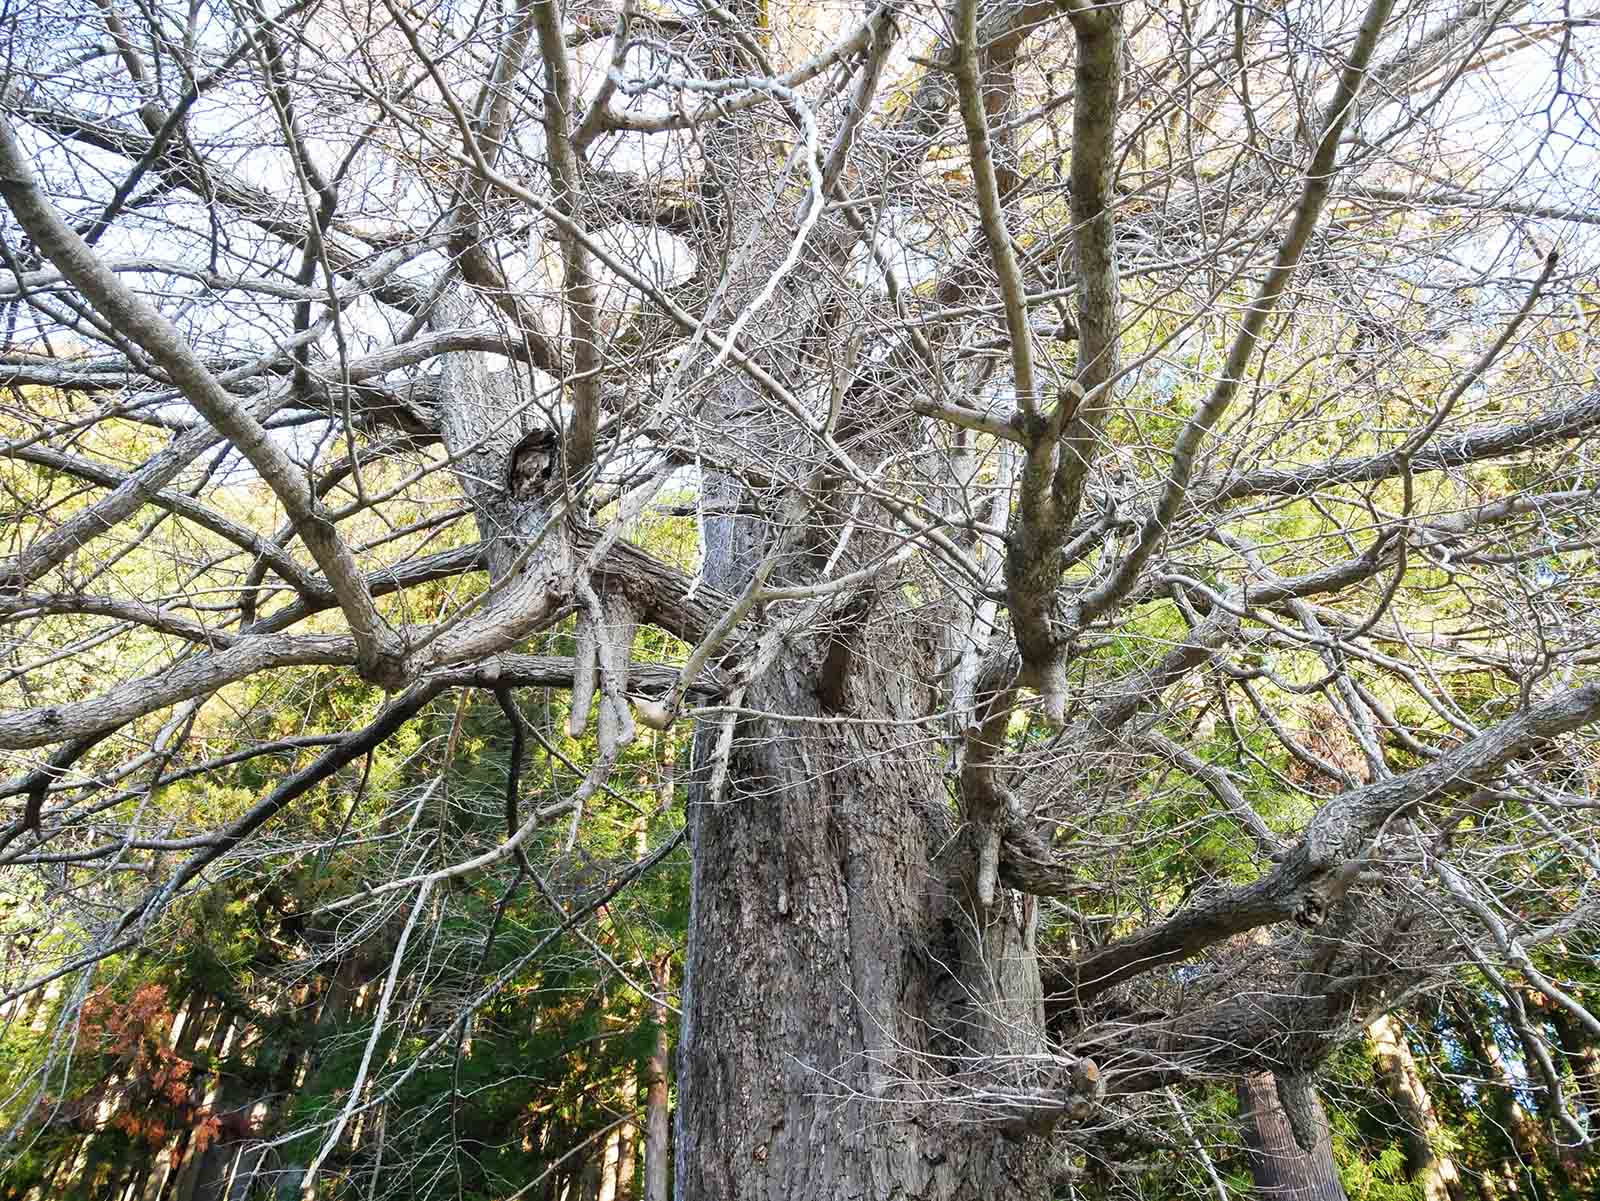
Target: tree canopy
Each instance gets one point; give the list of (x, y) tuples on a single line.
[(1016, 578)]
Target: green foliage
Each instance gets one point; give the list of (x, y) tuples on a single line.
[(290, 989)]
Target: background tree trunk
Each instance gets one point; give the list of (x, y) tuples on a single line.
[(627, 1163), (657, 1120), (1583, 1057), (610, 1157), (1435, 1173), (1524, 1138)]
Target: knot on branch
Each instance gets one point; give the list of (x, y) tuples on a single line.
[(533, 464), (388, 670), (1311, 911), (1029, 864)]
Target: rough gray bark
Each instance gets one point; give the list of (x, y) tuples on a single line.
[(819, 979)]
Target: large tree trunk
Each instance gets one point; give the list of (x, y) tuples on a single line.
[(1281, 1169), (814, 977), (834, 966), (839, 977)]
